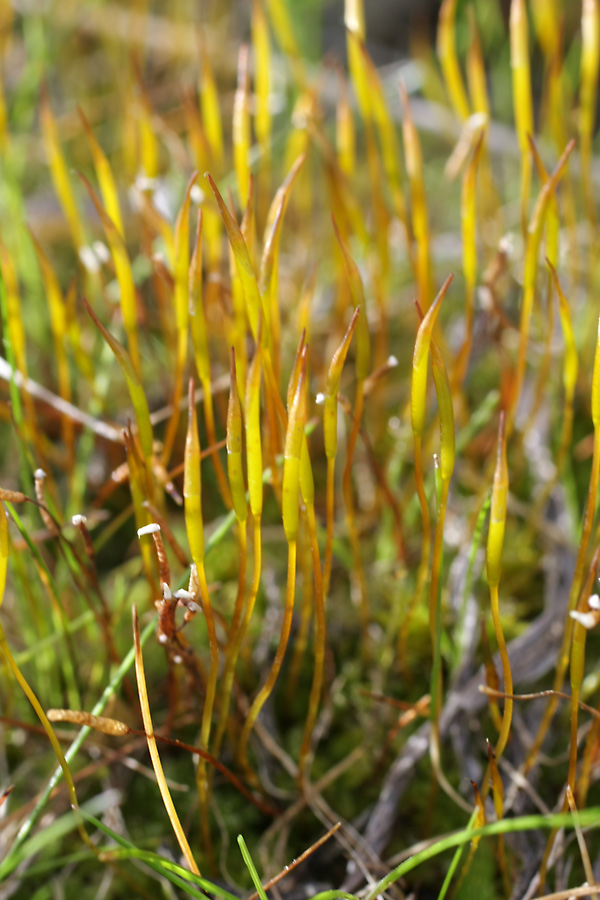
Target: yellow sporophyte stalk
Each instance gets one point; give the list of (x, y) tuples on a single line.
[(446, 50), (363, 365), (330, 425), (181, 300), (235, 447), (242, 261), (307, 494), (418, 407), (533, 239), (493, 568), (261, 51), (134, 386), (522, 99), (240, 505), (345, 130), (268, 280), (445, 468), (552, 251), (209, 104), (357, 293), (59, 170), (416, 180), (104, 174), (192, 494), (388, 139), (354, 20), (124, 275), (285, 33), (241, 126), (588, 89), (562, 662), (199, 335), (58, 324), (570, 370), (468, 219), (577, 660), (254, 468), (290, 516), (418, 391)]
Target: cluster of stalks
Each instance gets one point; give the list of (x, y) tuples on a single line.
[(276, 279)]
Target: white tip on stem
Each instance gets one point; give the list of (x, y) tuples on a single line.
[(148, 529), (588, 620)]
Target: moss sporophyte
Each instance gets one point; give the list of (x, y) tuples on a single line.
[(231, 256)]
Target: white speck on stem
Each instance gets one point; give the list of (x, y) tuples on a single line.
[(152, 528)]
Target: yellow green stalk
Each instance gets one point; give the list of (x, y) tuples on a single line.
[(522, 100), (58, 324), (201, 354), (147, 143), (307, 492), (104, 174), (446, 50), (241, 126), (493, 569), (577, 619), (588, 89), (290, 515), (418, 407), (124, 275), (284, 32), (534, 236), (269, 266), (330, 424), (577, 668), (390, 151), (552, 249), (416, 180), (261, 55), (363, 365), (445, 470), (59, 171), (576, 583), (345, 130), (235, 469), (468, 219), (209, 103), (181, 301), (569, 374), (194, 526), (254, 468), (134, 386)]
